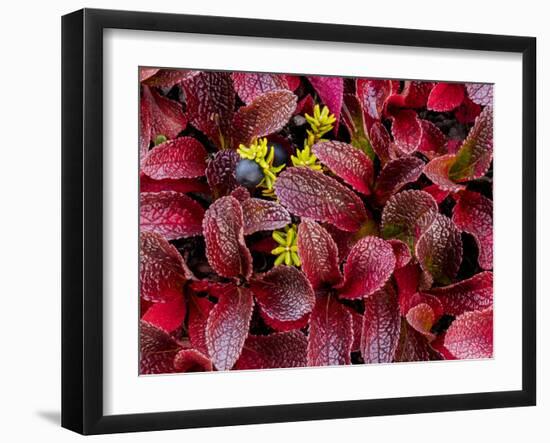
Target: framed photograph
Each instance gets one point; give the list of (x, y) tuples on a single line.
[(270, 221)]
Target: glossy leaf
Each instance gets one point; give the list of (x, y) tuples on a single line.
[(446, 97), (406, 130)]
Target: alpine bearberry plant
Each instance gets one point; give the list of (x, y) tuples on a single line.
[(290, 221)]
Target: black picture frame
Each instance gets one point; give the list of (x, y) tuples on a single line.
[(82, 218)]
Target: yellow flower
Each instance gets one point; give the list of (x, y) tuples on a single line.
[(259, 152), (304, 157), (287, 251)]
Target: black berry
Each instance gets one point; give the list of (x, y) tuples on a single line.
[(249, 173), (281, 156)]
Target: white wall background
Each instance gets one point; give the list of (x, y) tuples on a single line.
[(30, 222)]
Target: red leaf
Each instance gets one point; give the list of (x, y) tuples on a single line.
[(210, 104), (265, 115), (471, 335), (162, 271), (145, 73), (437, 170), (415, 93), (309, 193), (369, 265), (406, 130), (168, 316), (407, 280), (352, 115), (439, 250), (357, 324), (183, 185), (330, 90), (473, 213), (473, 294), (433, 141), (407, 215), (381, 326), (191, 360), (436, 192), (199, 310), (347, 162), (446, 97), (224, 235), (167, 78), (263, 215), (413, 346), (319, 254), (250, 86), (183, 157), (220, 172), (480, 93), (305, 106), (408, 300), (372, 95), (171, 214), (157, 350), (422, 317), (165, 116), (401, 251), (330, 333), (293, 81), (381, 142), (279, 350), (227, 327), (468, 111), (396, 174), (283, 293), (284, 326), (144, 129)]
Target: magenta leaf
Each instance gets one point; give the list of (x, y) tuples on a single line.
[(475, 293), (357, 324), (168, 316), (171, 214), (372, 95), (284, 326), (381, 142), (471, 335), (144, 129), (369, 265), (473, 213), (263, 215), (446, 97), (210, 104), (157, 350), (439, 250), (220, 172), (283, 293), (433, 141), (349, 163), (401, 251), (182, 185), (165, 116), (293, 81), (381, 326), (407, 215), (184, 157), (415, 93), (250, 86), (406, 130), (279, 350), (224, 235), (330, 333), (162, 271), (414, 346), (199, 310), (480, 93), (227, 327), (436, 192), (299, 190), (330, 90), (319, 254), (468, 111), (191, 360), (267, 114), (396, 174)]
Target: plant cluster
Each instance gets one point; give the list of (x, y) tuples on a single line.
[(290, 221)]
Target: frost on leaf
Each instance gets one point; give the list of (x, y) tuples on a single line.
[(299, 190), (347, 162), (168, 316), (220, 172), (263, 215), (210, 104), (413, 346), (279, 350), (381, 326), (191, 360), (471, 335), (227, 327), (475, 293), (446, 97), (369, 265), (184, 157), (407, 215), (480, 93), (171, 214), (165, 116), (330, 333), (473, 213), (406, 130), (157, 350), (199, 310), (162, 270), (330, 90), (319, 254), (250, 86), (439, 250), (224, 235), (396, 174), (267, 114), (284, 294)]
